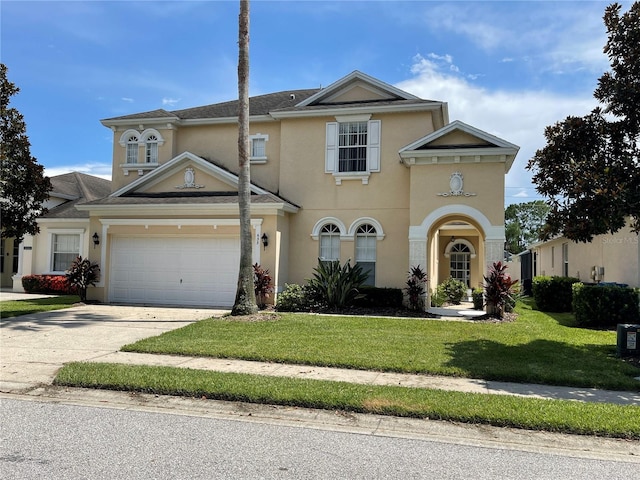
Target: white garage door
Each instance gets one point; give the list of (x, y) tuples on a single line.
[(174, 271)]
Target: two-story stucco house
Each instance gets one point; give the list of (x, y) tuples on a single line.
[(359, 171)]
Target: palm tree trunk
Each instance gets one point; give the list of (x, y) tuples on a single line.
[(245, 302)]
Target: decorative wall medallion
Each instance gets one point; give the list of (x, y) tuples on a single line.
[(189, 179), (456, 184)]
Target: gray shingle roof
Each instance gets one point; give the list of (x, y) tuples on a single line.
[(258, 105), (84, 188)]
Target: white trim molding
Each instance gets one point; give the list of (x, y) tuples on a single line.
[(315, 232), (364, 220)]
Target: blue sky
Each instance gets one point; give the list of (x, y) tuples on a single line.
[(509, 68)]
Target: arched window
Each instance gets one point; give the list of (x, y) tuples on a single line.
[(329, 242), (460, 263), (132, 149), (366, 238), (151, 149)]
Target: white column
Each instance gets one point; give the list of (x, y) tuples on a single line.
[(418, 255), (25, 262)]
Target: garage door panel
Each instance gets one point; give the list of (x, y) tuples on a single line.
[(170, 270)]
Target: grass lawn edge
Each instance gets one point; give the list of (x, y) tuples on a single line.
[(562, 416)]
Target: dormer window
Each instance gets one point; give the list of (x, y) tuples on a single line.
[(132, 149), (151, 149)]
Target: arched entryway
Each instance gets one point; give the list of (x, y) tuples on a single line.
[(456, 241)]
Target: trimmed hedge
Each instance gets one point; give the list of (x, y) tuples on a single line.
[(53, 284), (553, 294), (605, 306), (374, 297)]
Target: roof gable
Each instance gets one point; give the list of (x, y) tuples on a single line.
[(457, 140), (177, 166), (356, 87)]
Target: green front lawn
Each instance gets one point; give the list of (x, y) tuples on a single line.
[(15, 308), (536, 348), (499, 410)]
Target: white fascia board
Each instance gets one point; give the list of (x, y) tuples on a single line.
[(43, 221), (225, 120), (199, 208), (220, 222), (143, 121), (332, 112), (458, 152)]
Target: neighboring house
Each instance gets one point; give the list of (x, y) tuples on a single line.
[(359, 171), (611, 258), (64, 230)]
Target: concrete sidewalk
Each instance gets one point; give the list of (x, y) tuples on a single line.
[(34, 347), (376, 378)]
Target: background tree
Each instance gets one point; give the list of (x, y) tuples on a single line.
[(590, 169), (23, 186), (524, 223), (245, 302)]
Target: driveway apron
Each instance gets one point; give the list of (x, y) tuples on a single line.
[(34, 347)]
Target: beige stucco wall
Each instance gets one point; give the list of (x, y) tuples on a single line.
[(166, 152), (398, 197), (617, 253), (485, 180)]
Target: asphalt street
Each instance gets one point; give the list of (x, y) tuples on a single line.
[(61, 441)]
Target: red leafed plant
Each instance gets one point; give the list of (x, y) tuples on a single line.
[(498, 288), (262, 285)]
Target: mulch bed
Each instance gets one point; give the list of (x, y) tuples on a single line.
[(269, 314)]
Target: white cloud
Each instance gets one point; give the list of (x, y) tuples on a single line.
[(127, 99), (102, 170), (521, 194), (519, 116), (170, 101)]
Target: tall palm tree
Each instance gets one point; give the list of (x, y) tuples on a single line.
[(245, 302)]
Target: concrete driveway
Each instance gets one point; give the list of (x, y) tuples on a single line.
[(34, 347)]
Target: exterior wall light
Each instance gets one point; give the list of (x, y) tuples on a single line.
[(265, 240), (96, 240)]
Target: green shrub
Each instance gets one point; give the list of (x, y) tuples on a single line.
[(478, 298), (453, 290), (292, 299), (605, 306), (438, 298), (415, 288), (334, 285), (374, 297), (553, 294), (52, 284)]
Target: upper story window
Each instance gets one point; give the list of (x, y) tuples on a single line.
[(330, 242), (352, 148), (131, 140), (132, 149), (151, 148), (258, 148)]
